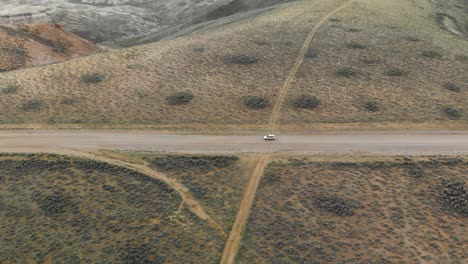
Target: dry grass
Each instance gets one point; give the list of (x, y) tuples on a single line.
[(56, 209), (358, 211), (138, 80)]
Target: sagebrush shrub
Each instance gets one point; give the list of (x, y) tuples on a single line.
[(92, 78), (180, 98), (372, 106), (10, 89), (32, 105), (241, 59), (453, 113), (452, 87), (346, 72), (431, 54), (394, 72), (306, 101), (256, 102)]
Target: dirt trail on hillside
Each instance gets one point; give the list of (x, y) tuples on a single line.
[(272, 124), (234, 240), (183, 191)]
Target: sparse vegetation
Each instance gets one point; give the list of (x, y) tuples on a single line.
[(55, 203), (431, 54), (453, 195), (312, 53), (11, 89), (241, 60), (336, 205), (92, 78), (346, 72), (306, 101), (216, 181), (452, 112), (32, 105), (394, 72), (132, 218), (344, 211), (372, 106), (256, 102), (413, 39), (68, 101), (180, 98), (355, 45), (452, 87)]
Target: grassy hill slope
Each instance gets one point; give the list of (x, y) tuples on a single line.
[(373, 62)]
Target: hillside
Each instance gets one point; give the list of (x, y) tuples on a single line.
[(38, 44), (372, 62), (128, 23)]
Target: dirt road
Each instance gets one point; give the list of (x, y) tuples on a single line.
[(342, 143), (235, 236)]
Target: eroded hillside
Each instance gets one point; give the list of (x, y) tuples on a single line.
[(32, 45)]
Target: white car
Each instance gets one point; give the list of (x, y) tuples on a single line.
[(269, 137)]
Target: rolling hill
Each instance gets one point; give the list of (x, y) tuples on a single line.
[(372, 62)]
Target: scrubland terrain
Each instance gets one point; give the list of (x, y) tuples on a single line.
[(61, 209), (359, 210), (302, 65), (372, 62), (216, 181)]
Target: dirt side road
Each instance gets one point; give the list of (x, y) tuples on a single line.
[(234, 239), (343, 143)]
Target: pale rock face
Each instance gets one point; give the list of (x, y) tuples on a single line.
[(112, 21)]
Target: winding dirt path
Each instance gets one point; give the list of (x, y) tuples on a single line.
[(183, 191), (272, 124), (235, 236)]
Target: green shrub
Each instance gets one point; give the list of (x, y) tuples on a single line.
[(394, 72), (354, 45), (241, 60), (256, 102), (55, 203), (452, 87), (453, 195), (180, 98), (311, 53), (413, 39), (306, 101), (32, 105), (92, 78), (453, 113), (431, 54), (68, 101), (336, 205), (346, 72), (10, 89), (372, 106)]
